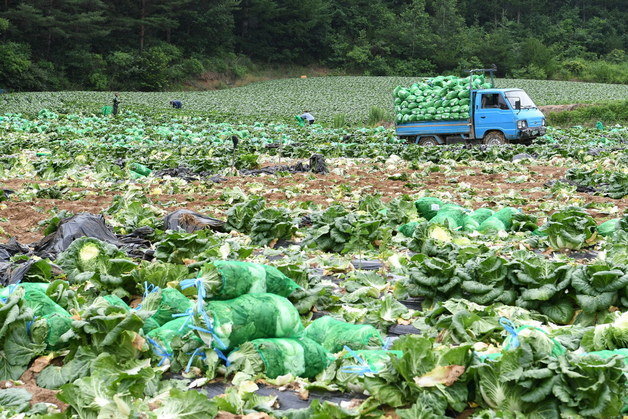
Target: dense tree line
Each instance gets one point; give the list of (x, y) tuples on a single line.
[(150, 44)]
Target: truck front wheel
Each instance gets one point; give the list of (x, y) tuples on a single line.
[(428, 141), (494, 138)]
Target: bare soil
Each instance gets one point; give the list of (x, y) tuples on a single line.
[(22, 218), (29, 383)]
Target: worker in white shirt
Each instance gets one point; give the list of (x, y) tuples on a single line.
[(308, 117)]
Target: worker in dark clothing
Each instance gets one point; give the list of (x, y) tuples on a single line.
[(307, 116), (116, 103), (177, 104)]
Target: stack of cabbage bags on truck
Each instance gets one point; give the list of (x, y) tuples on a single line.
[(437, 99)]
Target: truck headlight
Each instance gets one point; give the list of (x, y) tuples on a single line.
[(543, 123), (522, 124)]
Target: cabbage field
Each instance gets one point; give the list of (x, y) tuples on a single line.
[(222, 261), (280, 100)]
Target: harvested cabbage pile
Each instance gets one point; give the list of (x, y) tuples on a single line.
[(436, 99)]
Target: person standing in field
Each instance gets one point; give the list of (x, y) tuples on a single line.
[(116, 103), (177, 104), (308, 117)]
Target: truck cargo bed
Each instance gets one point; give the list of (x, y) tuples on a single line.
[(433, 127)]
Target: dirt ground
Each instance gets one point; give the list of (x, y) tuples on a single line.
[(20, 219)]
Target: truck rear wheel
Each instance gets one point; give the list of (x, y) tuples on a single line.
[(428, 141), (494, 138)]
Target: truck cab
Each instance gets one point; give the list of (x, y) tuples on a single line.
[(496, 116), (505, 115)]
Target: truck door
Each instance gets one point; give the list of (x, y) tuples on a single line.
[(492, 112)]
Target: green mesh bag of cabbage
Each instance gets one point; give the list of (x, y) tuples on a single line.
[(228, 324), (226, 279), (451, 216), (301, 357), (161, 338), (436, 99), (427, 207), (51, 320), (407, 229), (334, 334), (367, 361), (608, 227), (162, 305)]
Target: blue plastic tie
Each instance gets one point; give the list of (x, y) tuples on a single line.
[(210, 327), (222, 356), (361, 369), (197, 352), (11, 288), (150, 288), (355, 355), (189, 313), (29, 324), (209, 332), (356, 369), (510, 328), (200, 290), (387, 343), (160, 351), (200, 309)]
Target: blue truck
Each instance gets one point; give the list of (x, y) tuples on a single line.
[(496, 116)]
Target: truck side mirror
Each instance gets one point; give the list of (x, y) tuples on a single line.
[(518, 104)]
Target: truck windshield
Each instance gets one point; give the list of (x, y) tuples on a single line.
[(520, 96)]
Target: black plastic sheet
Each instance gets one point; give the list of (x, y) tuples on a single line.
[(190, 221), (12, 248), (70, 229)]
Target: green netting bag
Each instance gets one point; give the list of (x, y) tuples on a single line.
[(608, 227), (140, 169), (505, 216), (427, 207), (451, 216), (408, 228), (161, 337), (335, 334), (230, 323), (27, 286), (301, 357), (51, 320), (469, 223), (481, 214), (41, 304), (491, 224), (165, 303), (114, 300), (278, 283), (512, 340), (106, 110), (225, 280), (544, 342), (367, 361)]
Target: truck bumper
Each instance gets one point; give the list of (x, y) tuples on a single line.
[(532, 132)]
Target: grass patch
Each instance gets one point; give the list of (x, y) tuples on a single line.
[(608, 113), (339, 121), (378, 115)]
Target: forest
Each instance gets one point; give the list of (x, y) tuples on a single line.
[(154, 45)]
